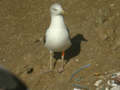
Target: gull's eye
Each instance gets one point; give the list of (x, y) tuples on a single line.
[(54, 9)]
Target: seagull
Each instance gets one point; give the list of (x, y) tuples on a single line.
[(57, 37)]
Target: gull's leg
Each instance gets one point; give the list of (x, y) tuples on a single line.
[(62, 67), (63, 60), (51, 63)]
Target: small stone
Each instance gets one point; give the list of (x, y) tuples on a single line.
[(114, 75), (3, 60), (108, 82), (111, 83), (112, 5), (97, 74), (117, 79), (96, 65), (30, 70), (97, 83), (77, 60), (106, 73), (118, 74), (76, 89), (115, 88), (106, 88)]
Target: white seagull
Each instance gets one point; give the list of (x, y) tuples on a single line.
[(57, 38)]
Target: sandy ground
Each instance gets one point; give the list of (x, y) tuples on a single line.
[(95, 33)]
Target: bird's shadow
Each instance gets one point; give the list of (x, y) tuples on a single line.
[(74, 50)]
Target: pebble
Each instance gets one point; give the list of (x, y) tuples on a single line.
[(29, 70), (108, 82), (3, 60), (106, 73), (76, 89), (97, 74), (77, 60), (115, 88), (111, 83), (106, 88), (112, 5), (96, 65), (98, 82), (117, 74)]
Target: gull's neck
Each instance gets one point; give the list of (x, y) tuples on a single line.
[(57, 21)]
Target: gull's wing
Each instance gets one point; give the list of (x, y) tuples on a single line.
[(68, 32)]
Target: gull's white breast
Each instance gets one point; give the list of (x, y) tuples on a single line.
[(57, 38)]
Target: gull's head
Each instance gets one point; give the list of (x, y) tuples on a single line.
[(56, 9)]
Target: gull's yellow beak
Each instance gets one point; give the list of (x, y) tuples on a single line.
[(62, 12)]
